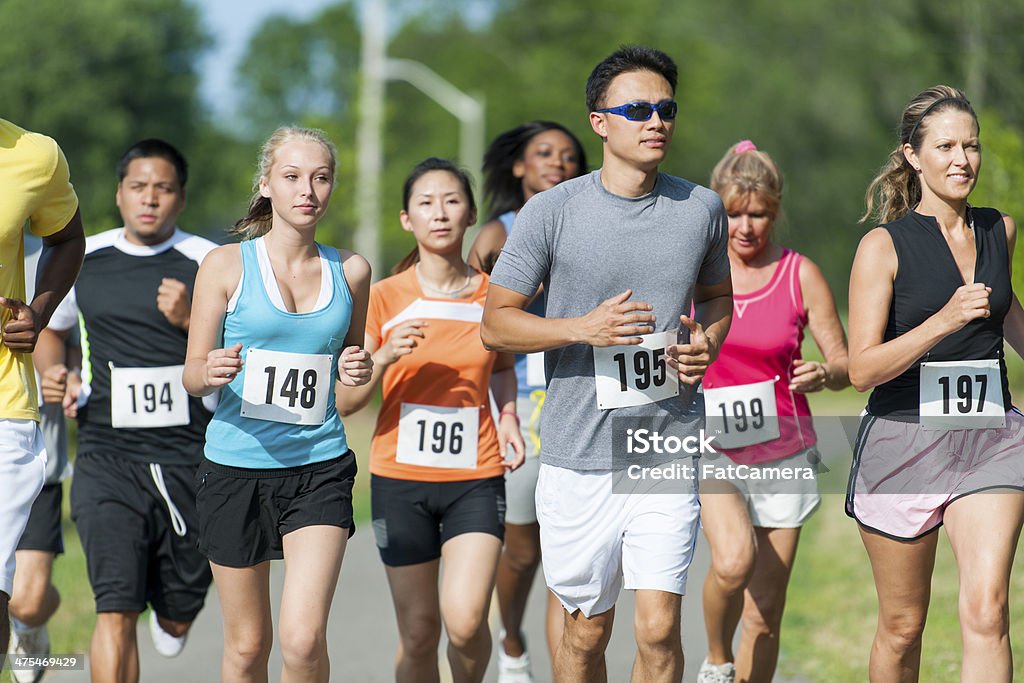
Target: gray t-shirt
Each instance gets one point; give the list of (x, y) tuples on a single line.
[(586, 245)]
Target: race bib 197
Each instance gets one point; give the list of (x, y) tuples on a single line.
[(963, 394), (286, 387), (742, 415), (146, 398), (438, 436), (635, 375)]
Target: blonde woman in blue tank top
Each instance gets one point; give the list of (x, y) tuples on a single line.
[(276, 321)]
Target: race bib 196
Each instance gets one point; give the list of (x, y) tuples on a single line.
[(742, 415), (145, 398), (963, 394), (635, 375), (436, 436), (286, 387)]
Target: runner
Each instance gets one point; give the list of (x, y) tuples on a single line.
[(438, 488), (622, 254), (753, 524), (35, 186), (930, 301), (277, 478), (521, 162), (139, 436), (35, 598)]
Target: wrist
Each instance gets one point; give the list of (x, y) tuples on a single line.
[(508, 412)]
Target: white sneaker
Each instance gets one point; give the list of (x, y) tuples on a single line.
[(716, 673), (513, 669), (26, 642), (164, 642)]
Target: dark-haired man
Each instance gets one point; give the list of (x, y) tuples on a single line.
[(140, 436), (622, 253)]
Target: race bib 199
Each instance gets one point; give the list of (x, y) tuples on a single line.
[(742, 415), (635, 375), (963, 394), (286, 387), (146, 398), (437, 436)]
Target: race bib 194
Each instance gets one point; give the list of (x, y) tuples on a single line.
[(742, 415), (635, 375), (286, 387), (963, 394), (437, 436), (146, 398)]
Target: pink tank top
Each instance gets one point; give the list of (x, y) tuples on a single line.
[(763, 341)]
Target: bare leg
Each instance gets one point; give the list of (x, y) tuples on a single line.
[(554, 625), (659, 643), (35, 597), (248, 628), (470, 565), (114, 654), (580, 656), (516, 570), (418, 612)]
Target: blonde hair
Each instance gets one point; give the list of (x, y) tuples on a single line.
[(896, 189), (744, 170), (258, 220)]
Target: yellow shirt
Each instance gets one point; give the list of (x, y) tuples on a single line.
[(34, 187)]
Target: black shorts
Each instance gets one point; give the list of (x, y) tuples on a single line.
[(43, 529), (139, 540), (413, 519), (243, 513)]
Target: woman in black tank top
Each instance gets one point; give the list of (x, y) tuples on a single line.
[(930, 303)]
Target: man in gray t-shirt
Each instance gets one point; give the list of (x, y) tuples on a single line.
[(622, 253)]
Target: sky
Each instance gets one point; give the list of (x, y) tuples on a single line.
[(230, 23)]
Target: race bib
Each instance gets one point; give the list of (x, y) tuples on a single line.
[(435, 436), (963, 394), (535, 369), (146, 398), (635, 375), (742, 415), (286, 387)]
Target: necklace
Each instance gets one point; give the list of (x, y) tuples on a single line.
[(452, 293)]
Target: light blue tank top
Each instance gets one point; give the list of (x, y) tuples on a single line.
[(536, 308), (257, 323)]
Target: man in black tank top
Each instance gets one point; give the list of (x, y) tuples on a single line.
[(140, 435)]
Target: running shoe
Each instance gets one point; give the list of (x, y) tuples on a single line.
[(513, 669), (716, 673), (28, 642), (164, 642)]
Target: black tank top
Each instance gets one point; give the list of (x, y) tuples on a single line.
[(926, 277)]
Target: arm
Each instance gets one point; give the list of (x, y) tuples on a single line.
[(51, 362), (58, 268), (354, 364), (712, 306), (507, 327), (173, 300), (827, 330), (487, 246), (872, 361), (504, 388), (1013, 324), (208, 367)]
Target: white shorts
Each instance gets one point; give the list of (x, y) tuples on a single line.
[(772, 503), (521, 485), (595, 541), (22, 471)]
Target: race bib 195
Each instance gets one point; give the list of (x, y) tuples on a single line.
[(635, 375), (286, 387), (437, 436), (742, 415), (146, 398), (963, 394)]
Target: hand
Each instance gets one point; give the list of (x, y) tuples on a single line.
[(223, 365), (968, 303), (54, 384), (173, 300), (691, 360), (355, 366), (808, 376), (401, 342), (509, 434), (616, 321), (71, 394), (22, 330)]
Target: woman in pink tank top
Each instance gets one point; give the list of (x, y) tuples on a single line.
[(755, 401)]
